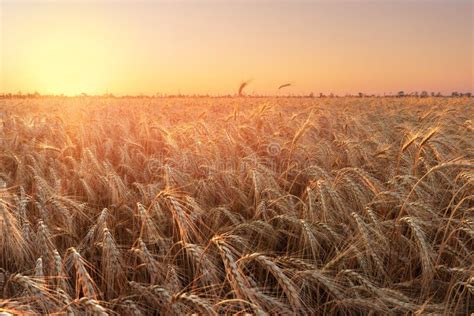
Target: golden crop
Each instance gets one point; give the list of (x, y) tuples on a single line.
[(236, 205)]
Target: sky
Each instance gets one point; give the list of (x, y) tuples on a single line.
[(209, 47)]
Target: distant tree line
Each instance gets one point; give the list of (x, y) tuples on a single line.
[(425, 94), (400, 94)]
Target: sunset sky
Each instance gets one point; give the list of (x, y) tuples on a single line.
[(133, 47)]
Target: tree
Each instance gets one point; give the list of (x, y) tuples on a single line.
[(424, 94), (401, 94), (455, 94)]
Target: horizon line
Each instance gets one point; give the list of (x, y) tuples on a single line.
[(401, 93)]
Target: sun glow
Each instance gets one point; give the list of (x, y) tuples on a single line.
[(67, 66), (61, 55)]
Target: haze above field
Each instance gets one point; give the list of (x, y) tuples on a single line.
[(128, 47)]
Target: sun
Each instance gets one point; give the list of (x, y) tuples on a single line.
[(68, 65), (77, 58)]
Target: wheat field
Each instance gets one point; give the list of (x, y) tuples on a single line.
[(171, 206)]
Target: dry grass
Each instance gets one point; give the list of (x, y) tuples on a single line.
[(243, 205)]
